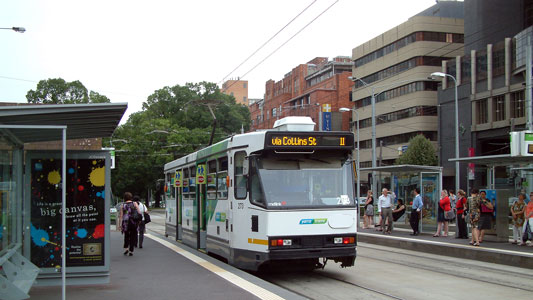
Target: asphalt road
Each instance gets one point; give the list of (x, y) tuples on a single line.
[(389, 273)]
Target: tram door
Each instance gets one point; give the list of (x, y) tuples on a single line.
[(430, 187), (201, 180)]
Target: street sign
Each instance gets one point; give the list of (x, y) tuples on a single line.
[(200, 174), (178, 178)]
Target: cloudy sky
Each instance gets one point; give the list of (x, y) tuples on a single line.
[(128, 49)]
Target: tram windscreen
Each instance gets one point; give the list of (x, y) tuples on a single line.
[(284, 182)]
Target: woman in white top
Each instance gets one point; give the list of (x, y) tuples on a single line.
[(142, 226)]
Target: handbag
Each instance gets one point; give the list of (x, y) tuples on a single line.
[(449, 215), (147, 218)]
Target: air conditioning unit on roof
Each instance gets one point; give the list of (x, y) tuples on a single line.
[(295, 124)]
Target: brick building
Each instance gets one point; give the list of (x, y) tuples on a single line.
[(238, 89), (304, 90)]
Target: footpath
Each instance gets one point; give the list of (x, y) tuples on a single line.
[(493, 252), (165, 269)]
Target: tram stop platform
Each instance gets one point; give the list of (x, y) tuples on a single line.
[(165, 269), (492, 252)]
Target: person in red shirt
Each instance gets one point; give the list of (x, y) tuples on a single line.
[(444, 206), (461, 207)]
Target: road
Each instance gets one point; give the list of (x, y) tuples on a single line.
[(389, 273)]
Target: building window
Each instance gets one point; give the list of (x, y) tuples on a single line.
[(274, 113), (244, 99), (482, 111), (410, 112), (498, 59), (518, 104), (465, 69), (498, 104), (231, 94), (399, 138), (399, 91), (481, 65), (244, 85)]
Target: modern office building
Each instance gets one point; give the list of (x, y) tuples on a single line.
[(238, 89), (307, 90), (395, 66), (491, 90)]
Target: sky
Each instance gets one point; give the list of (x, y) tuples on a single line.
[(126, 50)]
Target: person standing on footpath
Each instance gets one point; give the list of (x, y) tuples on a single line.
[(461, 207), (528, 220), (129, 224), (474, 212), (385, 209), (517, 212), (444, 206), (142, 225), (368, 220), (487, 211), (416, 211)]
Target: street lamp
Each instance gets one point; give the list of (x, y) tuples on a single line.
[(344, 109), (16, 29), (435, 75)]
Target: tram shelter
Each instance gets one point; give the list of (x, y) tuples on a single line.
[(503, 197), (402, 179), (38, 184)]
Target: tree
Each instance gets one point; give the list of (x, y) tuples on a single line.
[(58, 91), (420, 151), (174, 122)]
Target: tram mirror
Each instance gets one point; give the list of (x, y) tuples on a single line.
[(245, 167)]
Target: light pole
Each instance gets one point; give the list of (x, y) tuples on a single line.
[(16, 29), (344, 109), (443, 75)]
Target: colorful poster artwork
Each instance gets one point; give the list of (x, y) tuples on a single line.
[(85, 212)]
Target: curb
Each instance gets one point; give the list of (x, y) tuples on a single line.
[(491, 255)]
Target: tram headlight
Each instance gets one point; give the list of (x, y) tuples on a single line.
[(337, 240)]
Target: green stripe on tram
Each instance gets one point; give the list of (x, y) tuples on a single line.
[(212, 149)]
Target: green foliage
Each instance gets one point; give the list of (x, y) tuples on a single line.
[(175, 121), (419, 152), (58, 91)]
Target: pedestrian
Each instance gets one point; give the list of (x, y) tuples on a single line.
[(487, 212), (474, 213), (368, 218), (385, 210), (416, 210), (453, 198), (528, 220), (142, 225), (461, 208), (444, 206), (398, 212), (129, 223), (517, 212)]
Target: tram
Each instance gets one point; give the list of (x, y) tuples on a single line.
[(282, 196)]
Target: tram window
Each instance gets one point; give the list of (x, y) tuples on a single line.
[(240, 179), (192, 182), (185, 183), (222, 188), (256, 191), (211, 179)]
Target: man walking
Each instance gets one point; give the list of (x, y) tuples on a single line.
[(415, 213), (385, 210)]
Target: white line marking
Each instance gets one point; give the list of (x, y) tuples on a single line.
[(232, 278)]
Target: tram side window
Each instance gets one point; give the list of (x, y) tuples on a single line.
[(256, 190), (172, 185), (222, 188), (185, 183), (211, 179), (240, 179), (192, 183)]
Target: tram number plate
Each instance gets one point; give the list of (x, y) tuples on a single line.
[(240, 205)]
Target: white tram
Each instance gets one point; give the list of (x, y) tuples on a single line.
[(267, 197)]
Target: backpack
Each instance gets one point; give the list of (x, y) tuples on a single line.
[(133, 215)]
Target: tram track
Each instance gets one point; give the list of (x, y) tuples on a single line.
[(454, 267)]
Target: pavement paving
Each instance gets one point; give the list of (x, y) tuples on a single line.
[(165, 269)]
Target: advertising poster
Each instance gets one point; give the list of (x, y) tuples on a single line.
[(430, 194), (85, 215)]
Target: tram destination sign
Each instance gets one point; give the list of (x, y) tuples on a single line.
[(288, 140)]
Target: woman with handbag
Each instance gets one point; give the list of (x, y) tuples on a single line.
[(444, 206), (368, 218), (528, 223), (461, 207), (517, 212), (130, 216), (485, 219), (141, 228), (474, 209)]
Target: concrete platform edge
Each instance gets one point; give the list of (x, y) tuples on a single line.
[(522, 260)]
